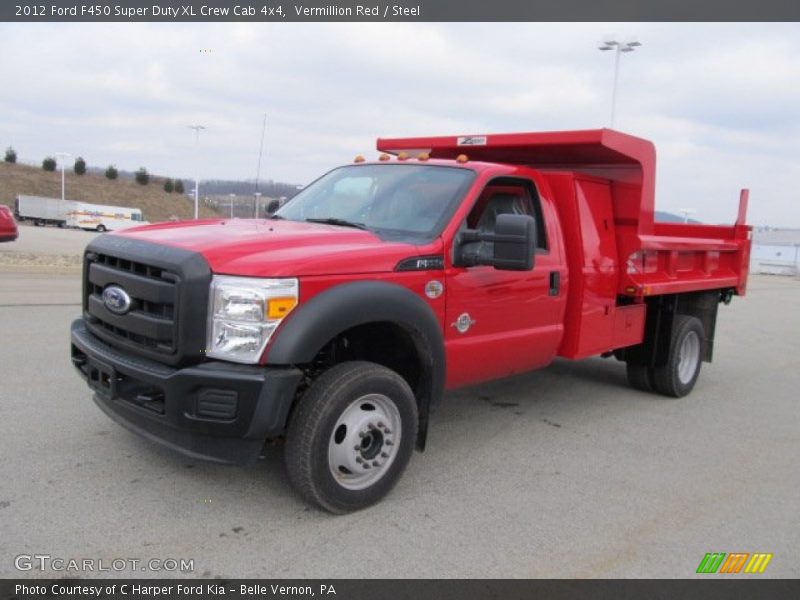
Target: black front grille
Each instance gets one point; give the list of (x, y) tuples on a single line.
[(154, 293), (168, 288)]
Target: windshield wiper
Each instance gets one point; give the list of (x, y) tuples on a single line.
[(335, 221)]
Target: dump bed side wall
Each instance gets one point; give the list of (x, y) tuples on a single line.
[(681, 258)]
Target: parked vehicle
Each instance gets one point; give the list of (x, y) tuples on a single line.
[(99, 217), (339, 323), (71, 213), (8, 226), (42, 211)]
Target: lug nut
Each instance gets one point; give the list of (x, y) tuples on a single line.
[(384, 455), (359, 459), (380, 424), (375, 463), (387, 431), (361, 434), (389, 443), (366, 466)]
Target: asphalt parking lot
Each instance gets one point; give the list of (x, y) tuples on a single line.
[(45, 249), (565, 472), (49, 240)]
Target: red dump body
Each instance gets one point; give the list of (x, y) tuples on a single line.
[(662, 258), (601, 184)]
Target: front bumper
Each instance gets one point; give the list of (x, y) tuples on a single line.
[(214, 410)]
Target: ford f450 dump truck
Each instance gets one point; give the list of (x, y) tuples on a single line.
[(339, 322)]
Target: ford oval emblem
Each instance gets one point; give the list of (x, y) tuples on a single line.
[(116, 300)]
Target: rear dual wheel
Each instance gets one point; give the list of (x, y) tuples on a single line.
[(679, 374), (351, 436), (640, 377)]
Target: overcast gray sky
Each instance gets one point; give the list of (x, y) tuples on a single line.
[(721, 101)]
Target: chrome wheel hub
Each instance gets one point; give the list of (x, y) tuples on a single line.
[(689, 357), (364, 441)]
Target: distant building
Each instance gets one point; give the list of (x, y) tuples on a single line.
[(776, 252)]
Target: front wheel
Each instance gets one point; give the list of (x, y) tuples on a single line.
[(101, 228), (351, 436)]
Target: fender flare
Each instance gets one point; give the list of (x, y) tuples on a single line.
[(330, 313)]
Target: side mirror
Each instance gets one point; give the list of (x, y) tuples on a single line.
[(273, 206), (513, 244)]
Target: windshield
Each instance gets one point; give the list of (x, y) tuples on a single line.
[(415, 200)]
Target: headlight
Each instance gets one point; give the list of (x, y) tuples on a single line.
[(243, 314)]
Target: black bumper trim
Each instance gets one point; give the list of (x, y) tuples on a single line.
[(160, 402)]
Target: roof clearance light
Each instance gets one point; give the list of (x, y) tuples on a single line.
[(359, 159), (384, 157), (423, 156), (402, 156), (462, 158)]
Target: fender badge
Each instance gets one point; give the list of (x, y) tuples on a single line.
[(463, 323), (434, 289)]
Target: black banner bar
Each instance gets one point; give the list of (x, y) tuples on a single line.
[(396, 10), (409, 589)]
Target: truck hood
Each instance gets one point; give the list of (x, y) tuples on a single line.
[(274, 248)]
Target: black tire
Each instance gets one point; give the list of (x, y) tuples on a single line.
[(101, 228), (640, 377), (667, 379), (311, 430)]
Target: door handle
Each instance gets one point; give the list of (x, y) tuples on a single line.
[(555, 283)]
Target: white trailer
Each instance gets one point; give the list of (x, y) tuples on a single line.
[(42, 211), (104, 218)]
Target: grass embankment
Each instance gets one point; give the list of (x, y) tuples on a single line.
[(155, 203)]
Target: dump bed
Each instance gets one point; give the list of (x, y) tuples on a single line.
[(653, 258)]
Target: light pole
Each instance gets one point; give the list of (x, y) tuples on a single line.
[(232, 196), (197, 129), (686, 212), (257, 197), (258, 169), (62, 155), (610, 42)]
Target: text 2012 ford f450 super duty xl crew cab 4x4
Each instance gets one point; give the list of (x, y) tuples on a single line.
[(339, 322)]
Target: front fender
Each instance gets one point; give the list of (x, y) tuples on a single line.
[(321, 319)]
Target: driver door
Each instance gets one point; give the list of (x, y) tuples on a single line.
[(499, 323)]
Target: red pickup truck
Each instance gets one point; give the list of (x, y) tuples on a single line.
[(339, 322)]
